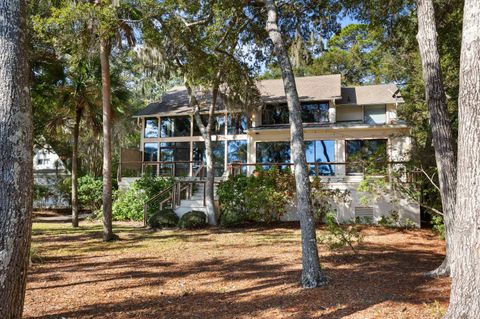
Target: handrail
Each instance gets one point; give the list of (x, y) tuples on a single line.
[(200, 168), (174, 196)]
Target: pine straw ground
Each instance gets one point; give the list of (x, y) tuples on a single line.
[(218, 273)]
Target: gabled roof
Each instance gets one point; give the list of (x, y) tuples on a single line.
[(370, 94), (310, 88), (176, 102)]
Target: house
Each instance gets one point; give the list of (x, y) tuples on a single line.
[(341, 125), (48, 174)]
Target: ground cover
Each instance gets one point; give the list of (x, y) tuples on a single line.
[(217, 273)]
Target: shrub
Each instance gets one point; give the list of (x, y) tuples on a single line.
[(163, 218), (338, 236), (324, 198), (260, 198), (438, 226), (90, 190), (193, 219), (231, 218), (152, 185), (129, 205), (390, 221)]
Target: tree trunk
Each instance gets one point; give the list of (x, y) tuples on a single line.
[(107, 141), (312, 274), (76, 133), (210, 183), (465, 293), (15, 158), (439, 122), (206, 132)]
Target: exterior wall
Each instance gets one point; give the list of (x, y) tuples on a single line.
[(49, 171), (398, 147), (382, 206)]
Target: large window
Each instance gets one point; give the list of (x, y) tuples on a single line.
[(366, 156), (237, 124), (179, 153), (275, 114), (218, 127), (150, 152), (273, 152), (218, 150), (237, 151), (320, 152), (151, 127), (175, 126), (315, 112), (375, 114)]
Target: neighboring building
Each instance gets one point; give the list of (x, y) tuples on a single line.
[(341, 124), (48, 173)]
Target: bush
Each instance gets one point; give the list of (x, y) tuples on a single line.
[(438, 226), (152, 185), (90, 189), (193, 219), (324, 198), (163, 218), (129, 205), (260, 198), (231, 218), (338, 236)]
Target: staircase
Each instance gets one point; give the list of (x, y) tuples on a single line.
[(194, 202), (183, 196)]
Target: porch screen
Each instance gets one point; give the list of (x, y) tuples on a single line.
[(366, 156), (237, 124), (151, 127), (175, 157), (273, 153), (320, 152), (218, 127), (175, 126), (150, 152), (315, 112), (218, 150), (237, 153), (275, 114)]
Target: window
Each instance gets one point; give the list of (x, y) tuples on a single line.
[(273, 152), (151, 127), (237, 124), (275, 114), (175, 126), (315, 112), (320, 152), (375, 114), (369, 156), (237, 153), (179, 153), (150, 152), (218, 152), (218, 125)]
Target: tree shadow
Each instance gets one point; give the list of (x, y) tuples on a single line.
[(379, 274)]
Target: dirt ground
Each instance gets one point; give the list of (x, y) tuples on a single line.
[(218, 273)]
